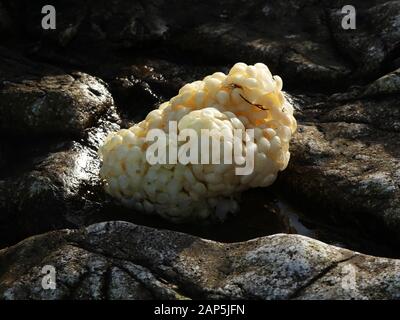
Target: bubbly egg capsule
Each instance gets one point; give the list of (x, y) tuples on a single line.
[(248, 97)]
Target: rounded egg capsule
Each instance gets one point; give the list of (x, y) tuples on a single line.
[(247, 98)]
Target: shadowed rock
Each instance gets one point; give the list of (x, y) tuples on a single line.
[(374, 45), (303, 40)]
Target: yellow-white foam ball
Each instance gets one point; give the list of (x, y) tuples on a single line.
[(248, 97)]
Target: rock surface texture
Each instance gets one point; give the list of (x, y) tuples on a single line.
[(116, 260), (106, 66)]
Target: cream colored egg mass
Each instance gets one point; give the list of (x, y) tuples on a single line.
[(247, 97)]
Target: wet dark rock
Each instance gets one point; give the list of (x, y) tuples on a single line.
[(65, 104), (345, 158), (119, 260), (47, 100), (41, 199), (56, 185), (51, 183)]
